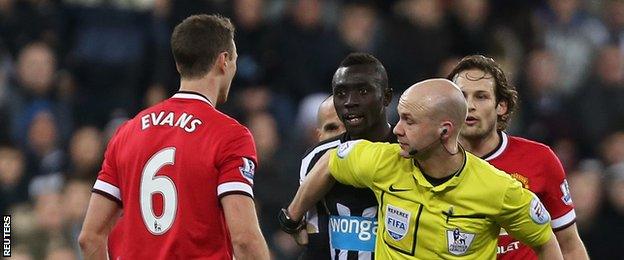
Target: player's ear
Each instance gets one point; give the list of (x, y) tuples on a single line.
[(177, 67), (223, 61), (501, 108)]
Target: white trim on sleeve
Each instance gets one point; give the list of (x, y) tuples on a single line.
[(563, 220), (108, 188), (234, 186)]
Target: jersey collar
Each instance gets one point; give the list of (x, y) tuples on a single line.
[(502, 145), (192, 95)]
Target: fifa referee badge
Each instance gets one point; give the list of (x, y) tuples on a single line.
[(6, 236)]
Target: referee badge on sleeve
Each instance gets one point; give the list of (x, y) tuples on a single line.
[(538, 213)]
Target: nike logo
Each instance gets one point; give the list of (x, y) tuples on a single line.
[(393, 189)]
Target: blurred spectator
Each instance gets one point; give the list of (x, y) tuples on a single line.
[(614, 20), (606, 241), (5, 66), (586, 189), (22, 22), (544, 107), (599, 105), (304, 52), (306, 120), (49, 219), (255, 99), (407, 56), (76, 195), (20, 252), (567, 151), (572, 35), (33, 88), (43, 152), (86, 153), (359, 27), (270, 175), (109, 75), (13, 181), (251, 40), (61, 253), (470, 27), (613, 149)]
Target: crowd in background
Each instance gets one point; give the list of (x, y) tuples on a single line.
[(72, 70)]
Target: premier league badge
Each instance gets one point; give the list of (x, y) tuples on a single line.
[(345, 148), (397, 222), (458, 242)]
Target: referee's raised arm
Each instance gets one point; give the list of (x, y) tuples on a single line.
[(314, 187)]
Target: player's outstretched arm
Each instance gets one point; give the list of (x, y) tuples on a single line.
[(101, 216), (570, 243), (314, 187), (242, 222), (550, 250)]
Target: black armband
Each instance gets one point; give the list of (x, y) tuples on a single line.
[(287, 224)]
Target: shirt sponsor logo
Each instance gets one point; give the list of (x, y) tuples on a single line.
[(353, 233), (458, 242), (248, 169), (397, 222), (565, 190), (345, 148), (502, 249), (538, 213)]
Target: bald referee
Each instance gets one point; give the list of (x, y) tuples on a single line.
[(435, 199)]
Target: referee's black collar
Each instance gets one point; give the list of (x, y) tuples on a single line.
[(192, 95)]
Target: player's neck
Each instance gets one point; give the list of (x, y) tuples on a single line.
[(207, 86), (378, 133), (483, 145)]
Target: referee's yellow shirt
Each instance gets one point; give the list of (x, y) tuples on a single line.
[(459, 219)]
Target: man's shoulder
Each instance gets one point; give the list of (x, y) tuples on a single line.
[(522, 145), (485, 171), (325, 145)]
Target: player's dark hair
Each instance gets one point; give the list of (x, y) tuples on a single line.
[(358, 58), (502, 89), (197, 42)]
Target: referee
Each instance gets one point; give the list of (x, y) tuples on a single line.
[(435, 199)]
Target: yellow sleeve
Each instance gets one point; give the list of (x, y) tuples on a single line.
[(354, 163), (524, 216)]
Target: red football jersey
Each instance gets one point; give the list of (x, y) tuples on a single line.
[(538, 168), (167, 168)]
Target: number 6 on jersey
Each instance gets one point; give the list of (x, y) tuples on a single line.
[(150, 184)]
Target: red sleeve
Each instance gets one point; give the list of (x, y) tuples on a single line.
[(107, 183), (556, 197), (236, 162)]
